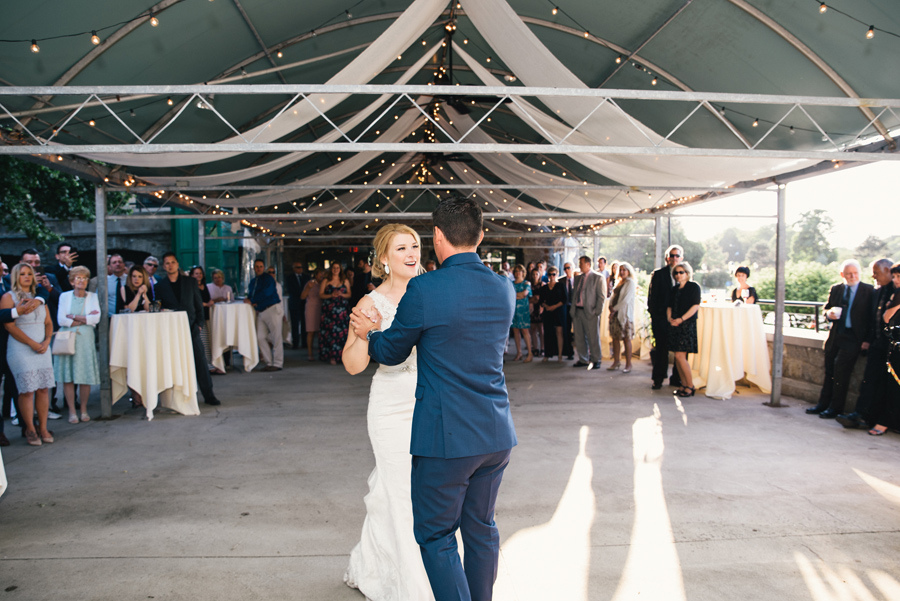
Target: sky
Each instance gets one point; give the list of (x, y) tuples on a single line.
[(862, 201)]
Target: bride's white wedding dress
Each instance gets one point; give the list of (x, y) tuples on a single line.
[(386, 564)]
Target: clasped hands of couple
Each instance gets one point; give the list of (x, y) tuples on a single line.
[(362, 321)]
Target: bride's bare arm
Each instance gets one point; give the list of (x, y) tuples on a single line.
[(356, 351)]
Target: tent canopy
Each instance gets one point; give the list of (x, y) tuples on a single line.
[(741, 47)]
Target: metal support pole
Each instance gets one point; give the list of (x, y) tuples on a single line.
[(201, 244), (778, 339), (657, 258), (596, 248), (103, 294)]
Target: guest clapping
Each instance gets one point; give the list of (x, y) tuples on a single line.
[(621, 317), (335, 294), (682, 315), (521, 324), (79, 313), (28, 356), (744, 290), (134, 296)]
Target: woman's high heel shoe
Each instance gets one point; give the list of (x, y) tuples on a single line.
[(613, 367), (529, 358), (686, 391)]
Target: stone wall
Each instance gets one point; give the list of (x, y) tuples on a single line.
[(804, 367)]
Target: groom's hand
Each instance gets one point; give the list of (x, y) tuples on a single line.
[(363, 321)]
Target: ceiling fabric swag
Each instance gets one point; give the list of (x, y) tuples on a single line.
[(402, 127), (533, 63), (219, 179), (407, 29)]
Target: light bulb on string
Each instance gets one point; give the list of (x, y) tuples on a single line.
[(555, 10), (349, 16), (280, 54), (871, 33), (34, 47), (153, 20), (653, 81), (169, 101), (822, 7), (756, 123), (619, 60), (95, 39), (92, 123)]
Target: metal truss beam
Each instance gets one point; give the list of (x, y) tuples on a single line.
[(289, 218)]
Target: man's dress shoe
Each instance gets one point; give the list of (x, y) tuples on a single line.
[(851, 420), (815, 410), (828, 414)]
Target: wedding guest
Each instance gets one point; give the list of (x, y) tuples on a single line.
[(135, 294), (79, 313), (658, 297), (178, 292), (522, 317), (151, 264), (552, 298), (537, 329), (335, 294), (313, 308), (588, 300), (28, 356), (199, 274), (65, 258), (430, 265), (219, 291), (621, 316), (744, 290), (682, 316), (568, 280), (296, 282), (888, 414), (115, 281), (263, 295), (611, 278)]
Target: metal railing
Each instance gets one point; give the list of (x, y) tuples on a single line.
[(796, 319)]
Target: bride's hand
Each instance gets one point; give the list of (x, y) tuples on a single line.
[(363, 321)]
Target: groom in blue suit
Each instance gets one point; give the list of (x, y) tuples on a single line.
[(462, 432)]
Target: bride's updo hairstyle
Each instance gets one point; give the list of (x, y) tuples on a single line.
[(383, 240)]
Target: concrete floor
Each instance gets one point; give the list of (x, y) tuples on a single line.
[(614, 492)]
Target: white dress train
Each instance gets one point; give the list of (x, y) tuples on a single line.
[(386, 564)]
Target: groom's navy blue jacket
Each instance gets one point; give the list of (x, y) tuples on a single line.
[(459, 318)]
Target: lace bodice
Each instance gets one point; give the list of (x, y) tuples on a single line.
[(388, 310)]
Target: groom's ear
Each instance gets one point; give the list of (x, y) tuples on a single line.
[(480, 238), (438, 234)]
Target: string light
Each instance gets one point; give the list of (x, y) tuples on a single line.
[(756, 123), (822, 8), (34, 47), (92, 123), (555, 10), (871, 33), (280, 54), (153, 20), (169, 101), (95, 39), (653, 81), (619, 60)]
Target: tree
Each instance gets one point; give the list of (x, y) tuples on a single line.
[(872, 248), (30, 192), (811, 240), (733, 244)]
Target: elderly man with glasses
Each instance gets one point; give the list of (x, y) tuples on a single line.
[(661, 284), (151, 264)]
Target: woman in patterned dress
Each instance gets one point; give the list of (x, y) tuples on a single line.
[(28, 355), (79, 313), (522, 317), (335, 294)]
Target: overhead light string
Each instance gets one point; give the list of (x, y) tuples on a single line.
[(871, 29)]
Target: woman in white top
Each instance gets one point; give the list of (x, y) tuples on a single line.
[(621, 315), (386, 563), (219, 291)]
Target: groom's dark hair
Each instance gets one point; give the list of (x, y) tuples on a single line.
[(460, 220)]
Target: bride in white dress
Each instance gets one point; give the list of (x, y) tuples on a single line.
[(386, 564)]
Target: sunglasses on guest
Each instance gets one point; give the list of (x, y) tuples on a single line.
[(679, 272), (674, 255)]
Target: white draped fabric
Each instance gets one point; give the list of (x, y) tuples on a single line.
[(372, 61), (536, 66), (230, 177), (234, 326), (731, 345)]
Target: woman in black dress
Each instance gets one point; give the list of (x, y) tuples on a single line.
[(888, 415), (552, 297), (199, 274), (682, 314), (536, 329), (744, 291)]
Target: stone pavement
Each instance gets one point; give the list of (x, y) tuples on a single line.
[(614, 492)]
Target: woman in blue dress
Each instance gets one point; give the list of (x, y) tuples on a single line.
[(522, 317), (79, 313)]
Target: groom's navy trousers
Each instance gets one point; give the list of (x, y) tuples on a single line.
[(458, 318)]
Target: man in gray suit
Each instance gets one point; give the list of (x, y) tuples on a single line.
[(588, 299)]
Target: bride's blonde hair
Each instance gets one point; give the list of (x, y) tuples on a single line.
[(382, 244)]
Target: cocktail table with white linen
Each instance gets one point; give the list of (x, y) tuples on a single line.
[(152, 354), (732, 345), (234, 326)]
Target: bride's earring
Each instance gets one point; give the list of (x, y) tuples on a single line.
[(387, 269)]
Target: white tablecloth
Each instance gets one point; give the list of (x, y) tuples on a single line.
[(732, 345), (2, 476), (234, 326), (152, 354)]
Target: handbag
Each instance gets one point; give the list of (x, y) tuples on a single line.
[(64, 343)]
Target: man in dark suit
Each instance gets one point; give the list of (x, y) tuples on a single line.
[(458, 318), (178, 292), (9, 385), (296, 305), (65, 258), (569, 282), (658, 296), (872, 389), (850, 308)]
